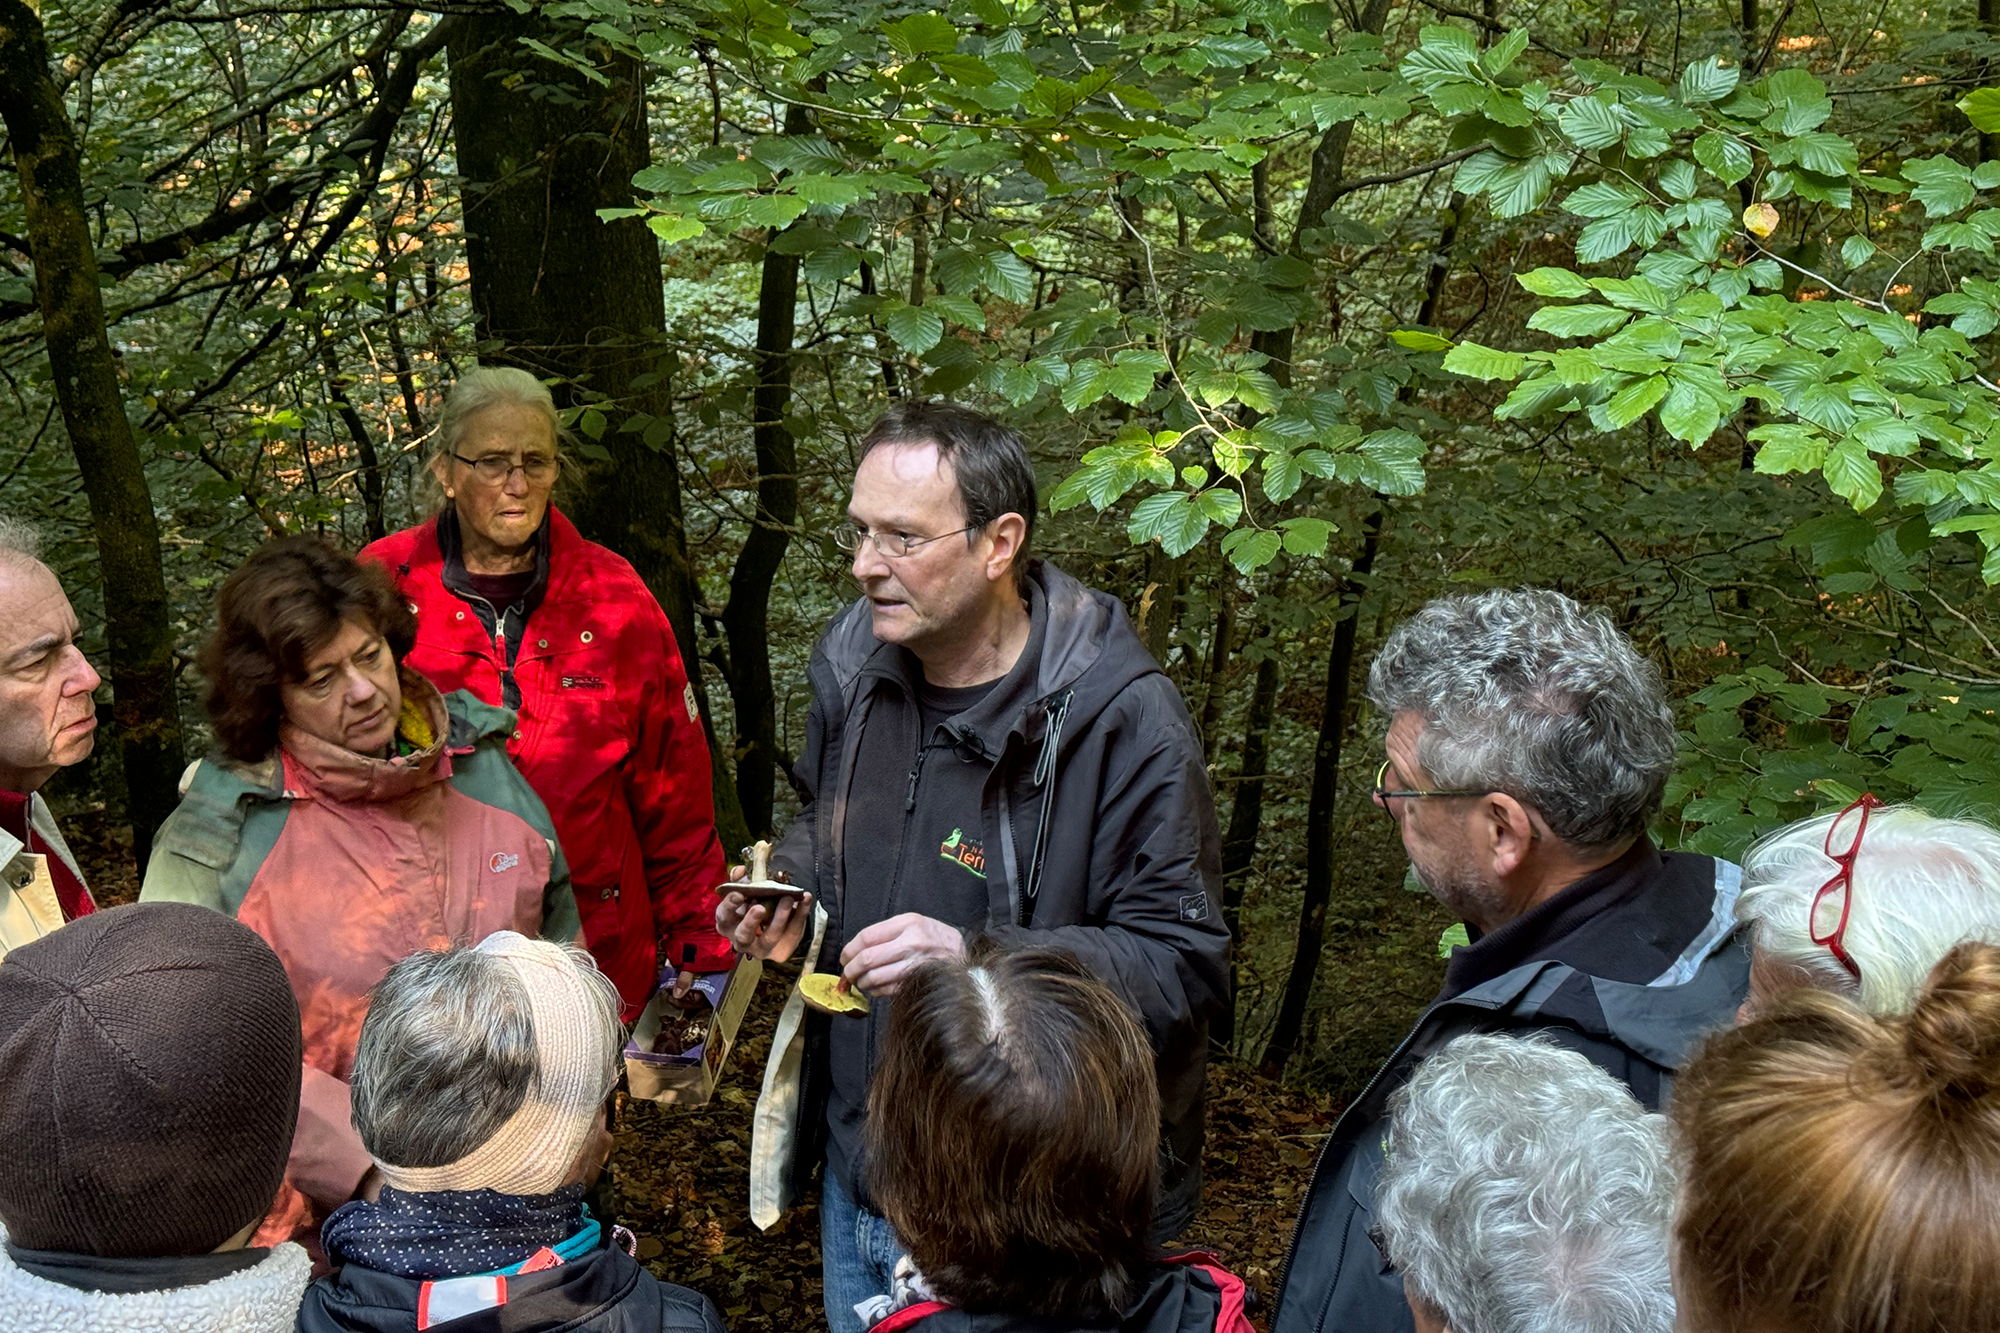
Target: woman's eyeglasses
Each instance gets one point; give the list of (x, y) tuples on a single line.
[(496, 468), (1831, 904)]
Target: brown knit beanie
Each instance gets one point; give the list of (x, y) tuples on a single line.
[(149, 1082)]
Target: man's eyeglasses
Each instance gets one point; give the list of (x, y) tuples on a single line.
[(849, 536), (1835, 897), (1383, 795), (496, 468)]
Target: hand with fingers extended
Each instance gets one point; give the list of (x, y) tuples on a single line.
[(762, 927), (878, 958)]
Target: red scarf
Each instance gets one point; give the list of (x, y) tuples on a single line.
[(71, 894)]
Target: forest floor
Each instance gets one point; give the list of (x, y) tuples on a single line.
[(681, 1177)]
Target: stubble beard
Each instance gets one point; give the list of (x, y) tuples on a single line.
[(1457, 887)]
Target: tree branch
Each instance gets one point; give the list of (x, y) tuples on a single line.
[(1407, 173), (370, 135)]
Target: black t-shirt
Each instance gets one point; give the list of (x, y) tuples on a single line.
[(937, 703), (913, 842)]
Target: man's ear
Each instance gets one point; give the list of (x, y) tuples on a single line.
[(1508, 831), (1007, 533)]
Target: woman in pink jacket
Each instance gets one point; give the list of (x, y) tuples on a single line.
[(353, 816)]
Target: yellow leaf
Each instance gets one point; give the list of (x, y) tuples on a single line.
[(1761, 219)]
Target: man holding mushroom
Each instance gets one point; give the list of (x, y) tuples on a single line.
[(990, 750)]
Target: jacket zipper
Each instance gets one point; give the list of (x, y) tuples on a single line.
[(1312, 1181), (498, 639)]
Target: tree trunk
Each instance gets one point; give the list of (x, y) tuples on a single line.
[(1160, 602), (368, 474), (138, 620), (746, 618), (1329, 168), (1333, 722), (1319, 811), (541, 149), (1246, 813), (1218, 662)]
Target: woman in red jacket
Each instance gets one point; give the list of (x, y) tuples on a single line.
[(514, 606)]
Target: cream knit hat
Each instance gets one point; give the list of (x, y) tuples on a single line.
[(577, 1040)]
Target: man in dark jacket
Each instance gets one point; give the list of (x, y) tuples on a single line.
[(1528, 747), (990, 749)]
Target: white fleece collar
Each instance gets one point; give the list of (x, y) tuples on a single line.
[(261, 1299)]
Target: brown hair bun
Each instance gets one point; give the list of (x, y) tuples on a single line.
[(1952, 1037), (1840, 1168)]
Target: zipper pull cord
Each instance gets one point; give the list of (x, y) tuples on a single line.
[(1058, 714), (1045, 770), (916, 771)]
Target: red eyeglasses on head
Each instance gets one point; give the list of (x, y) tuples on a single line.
[(1830, 905)]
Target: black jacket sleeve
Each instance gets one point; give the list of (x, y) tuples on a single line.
[(1154, 871)]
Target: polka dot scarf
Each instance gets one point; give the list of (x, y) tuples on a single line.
[(452, 1233)]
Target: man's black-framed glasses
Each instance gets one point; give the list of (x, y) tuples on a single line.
[(495, 468), (1383, 795), (849, 536)]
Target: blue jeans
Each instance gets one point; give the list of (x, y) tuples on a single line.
[(858, 1249)]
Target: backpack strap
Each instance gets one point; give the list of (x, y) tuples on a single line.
[(910, 1316), (1232, 1317)]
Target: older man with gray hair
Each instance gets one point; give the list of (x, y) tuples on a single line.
[(1525, 1191), (1528, 747), (48, 721)]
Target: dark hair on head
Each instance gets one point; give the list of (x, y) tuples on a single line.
[(1013, 1132), (283, 605), (989, 462), (1840, 1169)]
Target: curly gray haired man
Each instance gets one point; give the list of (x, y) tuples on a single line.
[(1526, 1192), (1528, 746)]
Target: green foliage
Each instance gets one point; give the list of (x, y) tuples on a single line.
[(1578, 305)]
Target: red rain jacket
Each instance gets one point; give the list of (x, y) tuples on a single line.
[(608, 737)]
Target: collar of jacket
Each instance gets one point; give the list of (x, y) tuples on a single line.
[(367, 1301), (1626, 885), (457, 579), (469, 722), (1176, 1297), (39, 818), (259, 1299), (1660, 1017), (321, 768), (1081, 641)]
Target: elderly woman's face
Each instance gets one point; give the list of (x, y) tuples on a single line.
[(350, 696), (502, 513)]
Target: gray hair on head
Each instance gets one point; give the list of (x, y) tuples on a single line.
[(1530, 694), (19, 538), (447, 1053), (1525, 1191), (490, 386), (1921, 885)]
